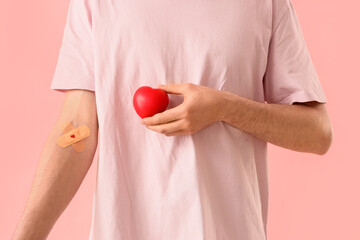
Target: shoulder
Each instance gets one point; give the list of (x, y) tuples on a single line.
[(280, 8)]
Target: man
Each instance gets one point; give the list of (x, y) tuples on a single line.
[(199, 169)]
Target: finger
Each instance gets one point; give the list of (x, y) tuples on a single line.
[(168, 127), (174, 88), (169, 115)]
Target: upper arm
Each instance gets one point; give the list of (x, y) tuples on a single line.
[(320, 108), (80, 104), (79, 108), (290, 74)]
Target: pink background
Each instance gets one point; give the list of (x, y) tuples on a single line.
[(311, 197)]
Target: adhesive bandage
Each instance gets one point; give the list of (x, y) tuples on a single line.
[(73, 136)]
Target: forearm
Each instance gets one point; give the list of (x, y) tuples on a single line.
[(295, 127), (58, 176)]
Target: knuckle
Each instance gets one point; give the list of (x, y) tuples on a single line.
[(185, 113), (188, 86), (187, 125), (156, 118), (192, 130)]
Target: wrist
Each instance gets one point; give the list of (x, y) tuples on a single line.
[(229, 106)]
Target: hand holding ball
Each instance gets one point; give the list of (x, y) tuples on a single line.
[(149, 101)]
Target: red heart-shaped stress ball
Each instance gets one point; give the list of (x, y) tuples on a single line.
[(148, 101)]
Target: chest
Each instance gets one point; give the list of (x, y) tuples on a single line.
[(229, 28), (215, 43)]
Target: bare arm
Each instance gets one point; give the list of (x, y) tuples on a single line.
[(302, 127), (60, 171)]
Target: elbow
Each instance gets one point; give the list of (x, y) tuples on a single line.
[(325, 140)]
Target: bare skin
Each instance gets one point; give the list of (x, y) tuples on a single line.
[(303, 127), (60, 170)]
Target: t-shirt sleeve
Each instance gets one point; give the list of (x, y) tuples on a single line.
[(290, 74), (75, 64)]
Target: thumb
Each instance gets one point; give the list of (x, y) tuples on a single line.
[(172, 88)]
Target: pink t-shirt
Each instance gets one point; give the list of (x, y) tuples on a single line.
[(209, 185)]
